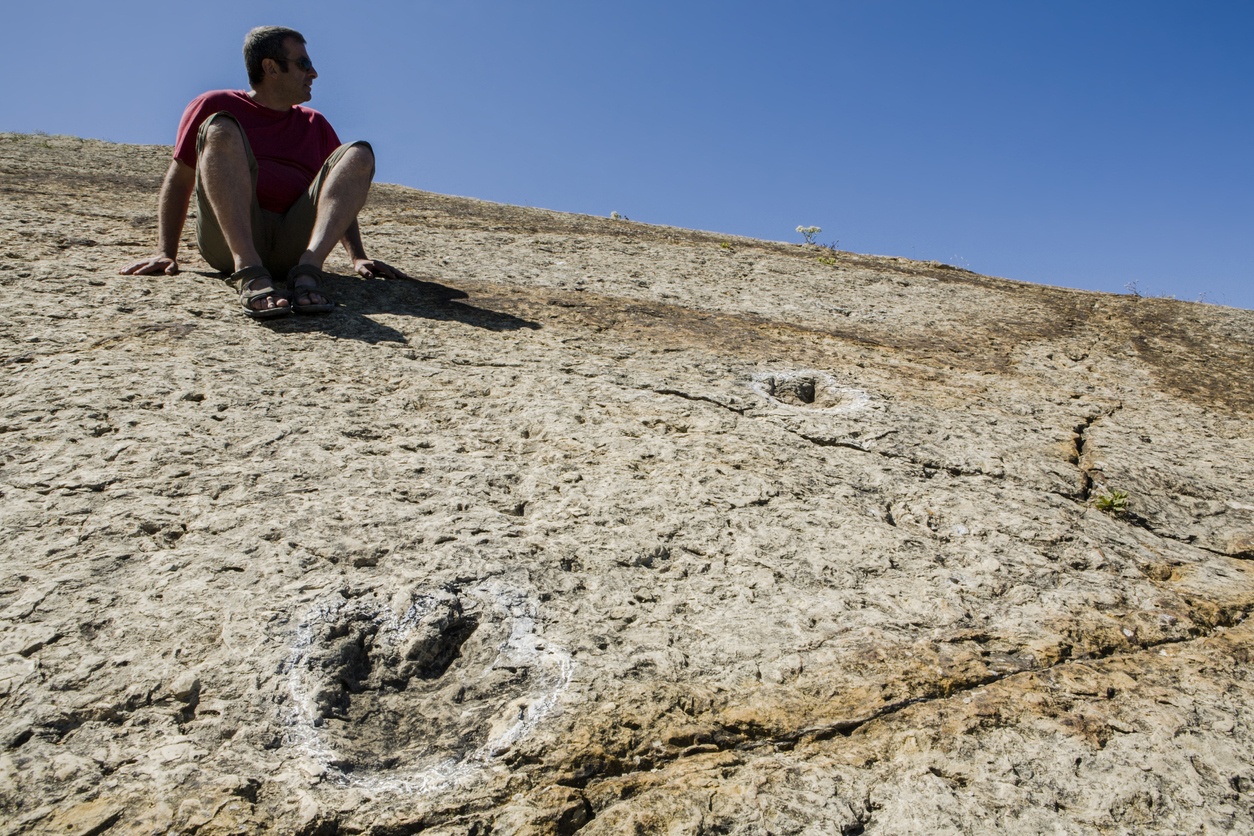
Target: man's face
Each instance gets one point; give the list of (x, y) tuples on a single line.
[(296, 84)]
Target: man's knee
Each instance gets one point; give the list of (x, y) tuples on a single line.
[(360, 155), (221, 128), (362, 147)]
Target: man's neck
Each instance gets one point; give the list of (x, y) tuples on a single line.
[(260, 96)]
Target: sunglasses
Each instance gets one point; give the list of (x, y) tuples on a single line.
[(302, 63)]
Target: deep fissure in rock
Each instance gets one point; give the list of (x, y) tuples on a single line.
[(1077, 457)]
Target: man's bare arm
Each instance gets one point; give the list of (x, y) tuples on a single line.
[(176, 192), (365, 266), (352, 243)]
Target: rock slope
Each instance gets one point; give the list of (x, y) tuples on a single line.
[(603, 527)]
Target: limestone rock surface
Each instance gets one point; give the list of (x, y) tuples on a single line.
[(603, 527)]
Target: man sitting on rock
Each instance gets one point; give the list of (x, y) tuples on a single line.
[(275, 189)]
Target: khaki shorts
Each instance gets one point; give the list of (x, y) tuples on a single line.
[(280, 238)]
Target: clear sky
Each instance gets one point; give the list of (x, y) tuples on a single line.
[(1086, 143)]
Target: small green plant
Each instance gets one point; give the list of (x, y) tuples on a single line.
[(1112, 501), (828, 254), (727, 245), (808, 232)]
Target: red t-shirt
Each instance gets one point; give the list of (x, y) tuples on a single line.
[(290, 146)]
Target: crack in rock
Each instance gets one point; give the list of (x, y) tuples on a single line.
[(847, 727), (1089, 478), (750, 738), (699, 398)]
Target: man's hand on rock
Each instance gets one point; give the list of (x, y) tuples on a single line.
[(372, 268), (153, 264)]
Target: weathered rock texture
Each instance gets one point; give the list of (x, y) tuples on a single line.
[(653, 531)]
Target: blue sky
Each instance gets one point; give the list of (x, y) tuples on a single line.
[(1087, 144)]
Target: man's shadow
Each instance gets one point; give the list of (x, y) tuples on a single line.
[(358, 297)]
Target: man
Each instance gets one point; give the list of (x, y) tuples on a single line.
[(275, 189)]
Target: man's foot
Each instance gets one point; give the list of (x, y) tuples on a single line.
[(258, 296), (306, 298)]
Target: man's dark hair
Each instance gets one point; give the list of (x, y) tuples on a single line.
[(266, 42)]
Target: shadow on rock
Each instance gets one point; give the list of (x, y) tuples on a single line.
[(344, 323), (359, 297), (411, 297)]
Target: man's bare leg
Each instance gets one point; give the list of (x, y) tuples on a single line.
[(342, 197), (224, 177)]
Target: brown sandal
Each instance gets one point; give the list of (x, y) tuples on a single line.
[(249, 294), (308, 270)]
